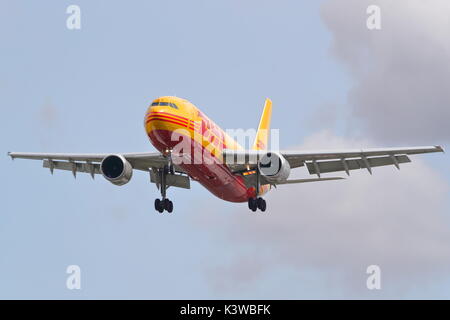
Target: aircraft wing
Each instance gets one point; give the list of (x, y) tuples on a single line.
[(90, 163), (323, 161), (140, 161)]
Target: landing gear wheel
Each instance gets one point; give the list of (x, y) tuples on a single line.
[(168, 205), (258, 203), (159, 205), (165, 202), (261, 204), (252, 205)]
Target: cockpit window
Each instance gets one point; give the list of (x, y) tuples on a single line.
[(165, 104)]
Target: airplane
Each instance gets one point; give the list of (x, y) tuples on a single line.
[(218, 162)]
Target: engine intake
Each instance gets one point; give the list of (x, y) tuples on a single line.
[(274, 167), (116, 169)]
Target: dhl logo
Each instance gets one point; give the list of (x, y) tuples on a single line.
[(211, 132)]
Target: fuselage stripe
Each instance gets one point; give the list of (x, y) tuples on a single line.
[(155, 118), (167, 120), (169, 114), (192, 122), (165, 117)]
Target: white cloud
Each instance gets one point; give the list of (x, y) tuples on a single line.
[(395, 219), (401, 72)]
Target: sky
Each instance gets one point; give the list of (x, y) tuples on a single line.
[(333, 83)]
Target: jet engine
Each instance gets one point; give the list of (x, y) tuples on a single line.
[(116, 169), (274, 167)]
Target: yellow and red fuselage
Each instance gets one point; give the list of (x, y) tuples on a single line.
[(171, 119)]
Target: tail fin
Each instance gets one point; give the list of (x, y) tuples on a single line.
[(262, 135)]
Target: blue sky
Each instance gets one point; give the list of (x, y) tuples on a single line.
[(87, 91)]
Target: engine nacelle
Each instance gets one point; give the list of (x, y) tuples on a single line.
[(274, 167), (116, 169)]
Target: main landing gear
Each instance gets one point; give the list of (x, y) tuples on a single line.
[(164, 203), (258, 202)]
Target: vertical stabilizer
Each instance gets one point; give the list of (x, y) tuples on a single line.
[(262, 136)]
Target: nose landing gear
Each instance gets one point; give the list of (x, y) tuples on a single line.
[(164, 203)]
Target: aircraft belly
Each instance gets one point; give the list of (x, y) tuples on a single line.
[(214, 176)]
